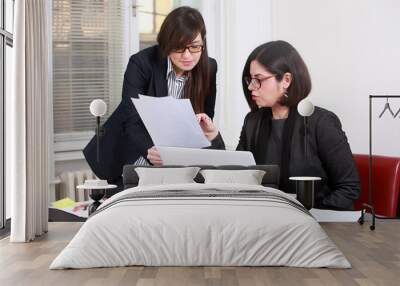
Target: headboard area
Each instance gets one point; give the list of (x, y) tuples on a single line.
[(270, 179)]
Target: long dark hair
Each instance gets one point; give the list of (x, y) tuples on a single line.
[(278, 58), (180, 28)]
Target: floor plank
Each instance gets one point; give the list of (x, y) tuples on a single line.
[(374, 255)]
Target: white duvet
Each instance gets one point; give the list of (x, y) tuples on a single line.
[(208, 230)]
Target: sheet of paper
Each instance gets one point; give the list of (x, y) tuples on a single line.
[(170, 122), (81, 212), (195, 156)]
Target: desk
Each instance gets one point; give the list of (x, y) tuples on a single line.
[(334, 216)]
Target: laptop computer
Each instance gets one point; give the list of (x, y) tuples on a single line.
[(194, 156)]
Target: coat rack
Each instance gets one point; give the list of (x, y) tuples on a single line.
[(387, 108)]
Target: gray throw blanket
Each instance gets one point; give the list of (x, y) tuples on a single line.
[(205, 194)]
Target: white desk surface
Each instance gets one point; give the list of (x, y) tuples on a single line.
[(333, 216)]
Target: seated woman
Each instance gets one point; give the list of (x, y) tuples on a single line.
[(275, 79), (178, 66)]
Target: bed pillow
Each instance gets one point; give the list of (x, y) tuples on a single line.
[(166, 176), (248, 177)]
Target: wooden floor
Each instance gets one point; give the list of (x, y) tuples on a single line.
[(375, 256)]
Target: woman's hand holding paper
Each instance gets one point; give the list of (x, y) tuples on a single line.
[(208, 127)]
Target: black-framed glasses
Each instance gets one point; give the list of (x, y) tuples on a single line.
[(192, 49), (256, 82)]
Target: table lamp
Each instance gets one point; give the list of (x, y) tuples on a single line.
[(305, 109), (98, 108), (96, 187), (305, 185)]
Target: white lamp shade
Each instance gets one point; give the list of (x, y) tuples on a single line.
[(98, 107), (305, 107)]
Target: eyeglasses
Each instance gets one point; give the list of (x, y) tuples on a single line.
[(256, 82), (192, 49)]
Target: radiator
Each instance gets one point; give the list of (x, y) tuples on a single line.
[(70, 180)]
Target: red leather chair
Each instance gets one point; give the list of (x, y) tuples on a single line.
[(385, 183)]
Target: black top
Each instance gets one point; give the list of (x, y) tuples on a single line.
[(329, 154), (126, 137), (274, 143)]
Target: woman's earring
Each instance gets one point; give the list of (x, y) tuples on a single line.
[(284, 98), (285, 93)]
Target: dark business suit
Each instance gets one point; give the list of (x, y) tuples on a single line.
[(126, 138), (329, 154)]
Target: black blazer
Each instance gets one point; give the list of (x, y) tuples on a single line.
[(126, 138), (329, 154)]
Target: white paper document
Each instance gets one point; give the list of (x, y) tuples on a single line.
[(170, 121), (190, 156)]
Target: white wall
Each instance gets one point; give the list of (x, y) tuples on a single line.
[(350, 47), (352, 51)]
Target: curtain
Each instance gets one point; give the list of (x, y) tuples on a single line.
[(27, 121), (234, 29), (229, 41)]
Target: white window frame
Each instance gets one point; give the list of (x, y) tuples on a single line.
[(6, 40), (69, 146)]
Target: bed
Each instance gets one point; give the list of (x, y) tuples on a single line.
[(201, 224)]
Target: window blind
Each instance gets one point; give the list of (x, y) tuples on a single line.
[(88, 60)]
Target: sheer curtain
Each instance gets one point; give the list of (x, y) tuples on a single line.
[(27, 121), (234, 29)]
